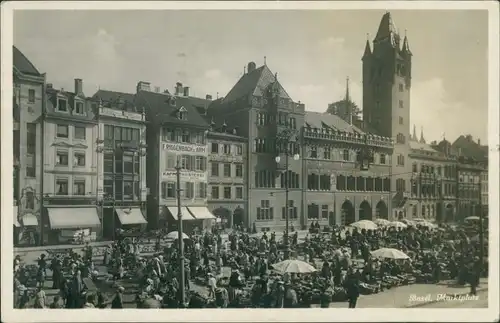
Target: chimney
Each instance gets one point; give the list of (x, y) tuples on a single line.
[(479, 141), (469, 138), (143, 86), (186, 91), (157, 89), (178, 88), (251, 67), (78, 86), (208, 97)]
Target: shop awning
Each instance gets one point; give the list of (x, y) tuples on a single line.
[(186, 216), (73, 218), (29, 220), (16, 222), (131, 216), (201, 213)]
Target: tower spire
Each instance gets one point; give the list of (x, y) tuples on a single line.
[(406, 46), (368, 50), (422, 139), (415, 133)]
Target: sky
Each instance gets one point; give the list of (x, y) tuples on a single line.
[(312, 51)]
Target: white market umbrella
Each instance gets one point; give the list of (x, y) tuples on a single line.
[(469, 218), (293, 266), (427, 224), (365, 224), (389, 253), (382, 222), (408, 222), (397, 224), (175, 235), (476, 238)]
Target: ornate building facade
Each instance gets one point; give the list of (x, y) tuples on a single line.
[(28, 104)]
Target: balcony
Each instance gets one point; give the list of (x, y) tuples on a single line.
[(348, 137)]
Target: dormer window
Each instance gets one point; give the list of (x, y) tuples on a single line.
[(62, 105), (78, 107), (173, 101), (182, 114)]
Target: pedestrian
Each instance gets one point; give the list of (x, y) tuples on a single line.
[(40, 298), (352, 292), (212, 285), (117, 301), (56, 302)]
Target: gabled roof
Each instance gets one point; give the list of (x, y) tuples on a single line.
[(23, 64), (326, 120), (254, 83), (159, 108)]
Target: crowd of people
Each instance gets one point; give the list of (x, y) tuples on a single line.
[(341, 256)]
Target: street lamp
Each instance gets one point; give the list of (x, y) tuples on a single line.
[(286, 180), (182, 294)]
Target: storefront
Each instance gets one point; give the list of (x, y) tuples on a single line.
[(72, 224), (203, 214), (131, 219), (26, 228), (189, 222)]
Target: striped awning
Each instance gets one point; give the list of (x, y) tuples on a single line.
[(186, 216), (29, 220), (130, 216), (73, 218), (201, 213)]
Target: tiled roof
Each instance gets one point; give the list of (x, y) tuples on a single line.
[(469, 148), (253, 83), (23, 64), (322, 120), (52, 95), (158, 108), (421, 146), (113, 96)]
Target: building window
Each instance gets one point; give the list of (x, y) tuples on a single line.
[(401, 160), (227, 170), (30, 201), (400, 138), (239, 170), (128, 164), (239, 150), (259, 145), (314, 152), (292, 211), (215, 192), (313, 211), (215, 148), (345, 155), (79, 187), (324, 183), (202, 190), (324, 212), (182, 115), (400, 185), (62, 158), (62, 131), (189, 191), (327, 153), (186, 136), (292, 123), (79, 159), (62, 105), (200, 163), (400, 120), (118, 189), (227, 192), (239, 192), (171, 190), (414, 167), (31, 140), (128, 190), (108, 186), (31, 96), (401, 104), (108, 163), (215, 169), (265, 179), (382, 159), (163, 190), (79, 132), (261, 119), (79, 107), (185, 162), (62, 186), (423, 211), (401, 87), (265, 211), (227, 149)]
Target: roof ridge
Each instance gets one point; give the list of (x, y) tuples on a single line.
[(26, 58)]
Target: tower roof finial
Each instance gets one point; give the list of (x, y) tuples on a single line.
[(422, 139), (415, 138), (265, 60)]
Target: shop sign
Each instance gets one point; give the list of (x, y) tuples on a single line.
[(197, 176), (184, 148), (121, 114)]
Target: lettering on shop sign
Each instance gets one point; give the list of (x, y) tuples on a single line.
[(121, 114), (186, 175), (185, 148)]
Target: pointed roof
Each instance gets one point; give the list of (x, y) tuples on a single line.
[(422, 139), (23, 64), (368, 50), (386, 29), (254, 83), (414, 133), (406, 47)]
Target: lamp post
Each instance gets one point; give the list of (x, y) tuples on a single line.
[(287, 152), (182, 291)]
